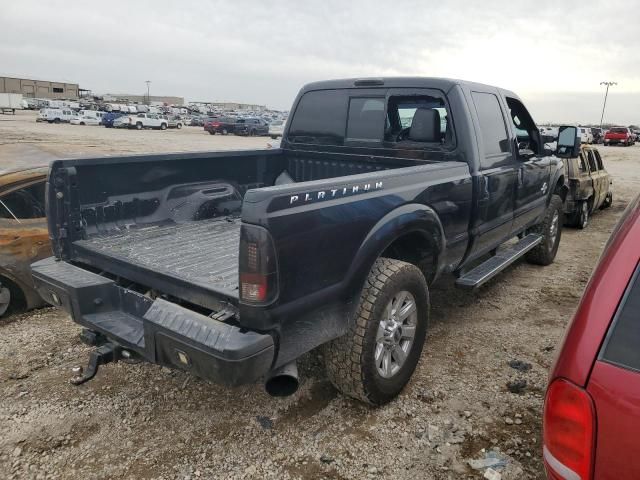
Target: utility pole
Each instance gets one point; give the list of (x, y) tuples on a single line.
[(148, 82), (608, 84)]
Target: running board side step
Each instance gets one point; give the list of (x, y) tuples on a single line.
[(496, 264)]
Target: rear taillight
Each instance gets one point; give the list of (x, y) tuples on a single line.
[(568, 431), (215, 124), (258, 266)]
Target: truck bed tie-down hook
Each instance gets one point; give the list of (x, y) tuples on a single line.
[(102, 355)]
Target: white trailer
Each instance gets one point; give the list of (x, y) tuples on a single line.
[(10, 102)]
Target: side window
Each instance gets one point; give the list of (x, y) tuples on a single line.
[(413, 120), (598, 160), (582, 163), (24, 203), (592, 161), (492, 127), (621, 343), (365, 122), (526, 130)]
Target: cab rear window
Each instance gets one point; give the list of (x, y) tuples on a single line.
[(622, 345)]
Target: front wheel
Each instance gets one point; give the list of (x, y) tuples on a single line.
[(551, 230), (608, 201), (179, 126), (163, 126), (375, 359), (138, 126)]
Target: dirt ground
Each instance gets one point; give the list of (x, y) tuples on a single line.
[(142, 421)]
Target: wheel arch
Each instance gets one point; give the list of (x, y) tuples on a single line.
[(412, 233)]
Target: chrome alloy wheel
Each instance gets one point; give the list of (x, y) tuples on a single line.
[(395, 335)]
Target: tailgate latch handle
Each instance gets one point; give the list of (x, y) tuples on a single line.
[(102, 355)]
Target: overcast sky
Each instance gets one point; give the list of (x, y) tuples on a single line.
[(552, 55)]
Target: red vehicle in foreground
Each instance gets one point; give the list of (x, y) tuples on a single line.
[(619, 136), (592, 406)]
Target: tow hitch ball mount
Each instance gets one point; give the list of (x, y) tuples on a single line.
[(102, 355)]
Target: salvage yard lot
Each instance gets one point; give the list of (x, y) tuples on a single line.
[(141, 421)]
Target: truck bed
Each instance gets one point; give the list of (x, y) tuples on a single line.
[(202, 253)]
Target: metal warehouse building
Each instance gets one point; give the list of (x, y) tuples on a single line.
[(38, 88)]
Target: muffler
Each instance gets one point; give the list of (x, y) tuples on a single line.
[(283, 381)]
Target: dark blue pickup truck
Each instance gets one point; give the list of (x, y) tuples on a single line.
[(231, 265)]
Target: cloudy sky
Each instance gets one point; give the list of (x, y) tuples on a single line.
[(553, 55)]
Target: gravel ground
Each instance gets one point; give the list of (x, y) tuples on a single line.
[(143, 421)]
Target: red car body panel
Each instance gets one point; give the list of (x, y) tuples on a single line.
[(600, 300), (616, 393), (614, 390)]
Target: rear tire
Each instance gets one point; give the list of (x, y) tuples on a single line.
[(57, 120), (551, 230), (179, 126), (163, 126), (139, 126), (212, 132), (375, 359), (12, 299), (608, 201)]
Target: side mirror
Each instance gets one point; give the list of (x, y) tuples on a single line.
[(568, 142)]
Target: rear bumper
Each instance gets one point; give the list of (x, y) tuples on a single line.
[(159, 331)]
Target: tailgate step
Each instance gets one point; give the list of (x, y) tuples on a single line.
[(496, 264), (120, 324)]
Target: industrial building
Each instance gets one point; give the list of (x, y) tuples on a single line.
[(153, 99), (39, 88)]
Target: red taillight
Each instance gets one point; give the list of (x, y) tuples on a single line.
[(568, 431), (215, 124), (258, 266)]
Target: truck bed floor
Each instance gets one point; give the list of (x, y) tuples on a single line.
[(201, 252)]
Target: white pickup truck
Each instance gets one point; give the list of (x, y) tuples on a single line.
[(140, 121)]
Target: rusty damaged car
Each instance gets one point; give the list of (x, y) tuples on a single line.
[(23, 236), (590, 187)]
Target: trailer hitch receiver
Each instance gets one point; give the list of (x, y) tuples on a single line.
[(102, 355)]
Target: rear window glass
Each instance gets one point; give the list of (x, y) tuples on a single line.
[(366, 120), (622, 346), (24, 203), (320, 118), (618, 130)]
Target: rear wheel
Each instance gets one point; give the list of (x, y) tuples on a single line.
[(82, 123), (224, 131), (252, 133), (608, 201), (163, 126), (57, 120), (179, 126), (212, 132), (11, 298), (375, 359), (139, 126), (551, 230)]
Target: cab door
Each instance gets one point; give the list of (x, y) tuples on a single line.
[(497, 177), (534, 167), (597, 177)]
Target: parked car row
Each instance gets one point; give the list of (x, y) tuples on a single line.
[(595, 135), (250, 126)]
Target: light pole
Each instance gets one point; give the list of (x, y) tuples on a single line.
[(608, 84), (148, 82)]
